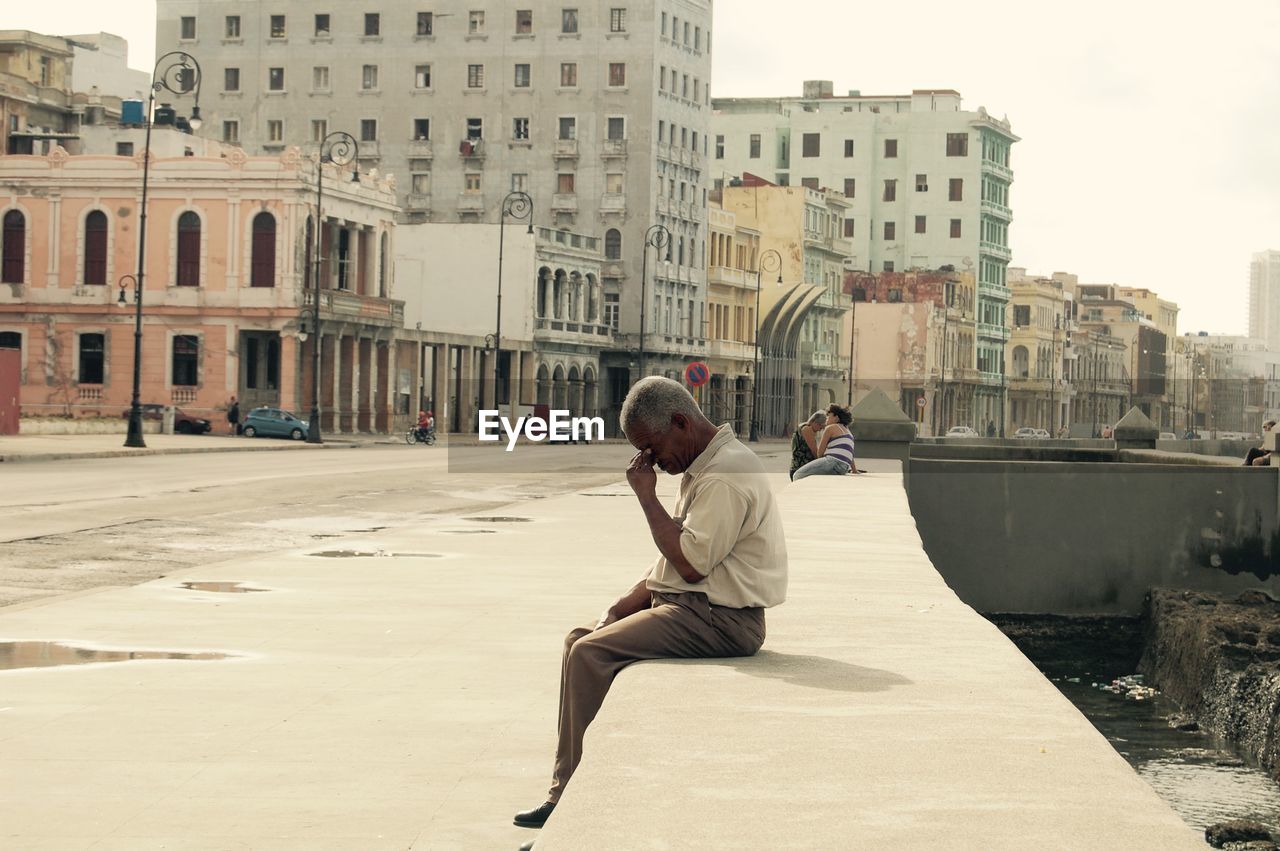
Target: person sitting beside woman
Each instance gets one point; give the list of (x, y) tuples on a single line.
[(834, 449), (804, 442), (1257, 456)]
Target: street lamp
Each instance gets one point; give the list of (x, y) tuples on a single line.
[(340, 149), (517, 205), (657, 236), (770, 259), (180, 75)]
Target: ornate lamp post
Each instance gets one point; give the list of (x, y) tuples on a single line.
[(770, 259), (340, 149), (179, 73), (516, 205), (657, 236)]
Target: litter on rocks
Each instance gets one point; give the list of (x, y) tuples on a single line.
[(1131, 687)]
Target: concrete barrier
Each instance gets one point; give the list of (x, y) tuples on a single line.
[(882, 713)]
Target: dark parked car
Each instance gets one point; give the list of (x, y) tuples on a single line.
[(273, 422), (183, 423)]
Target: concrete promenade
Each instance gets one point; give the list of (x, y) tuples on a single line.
[(407, 700)]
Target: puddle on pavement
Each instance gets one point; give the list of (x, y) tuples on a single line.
[(221, 587), (467, 532), (499, 519), (50, 654), (374, 554)]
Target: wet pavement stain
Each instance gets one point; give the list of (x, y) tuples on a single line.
[(221, 587), (498, 519), (50, 654), (375, 554), (468, 532)]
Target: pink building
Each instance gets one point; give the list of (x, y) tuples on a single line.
[(230, 240)]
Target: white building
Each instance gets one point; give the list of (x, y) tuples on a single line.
[(1264, 298), (928, 181), (100, 65), (600, 113)]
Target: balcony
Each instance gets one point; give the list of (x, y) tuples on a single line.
[(730, 350), (613, 203), (697, 212), (566, 149), (1000, 251), (999, 211), (993, 332), (420, 149), (470, 202), (569, 239), (994, 291), (614, 149), (564, 203), (344, 304), (471, 149), (1002, 171), (665, 205), (418, 201), (729, 276), (662, 151), (567, 331)]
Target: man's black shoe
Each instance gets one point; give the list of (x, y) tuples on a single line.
[(536, 817), (528, 846)]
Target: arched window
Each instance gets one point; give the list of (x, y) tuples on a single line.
[(12, 267), (188, 250), (95, 249), (262, 271), (613, 244)]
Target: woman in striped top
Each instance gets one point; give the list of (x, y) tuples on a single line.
[(835, 447)]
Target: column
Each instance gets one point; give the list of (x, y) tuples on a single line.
[(348, 392), (292, 396), (366, 380)]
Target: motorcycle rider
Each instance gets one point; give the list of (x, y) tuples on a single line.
[(426, 422)]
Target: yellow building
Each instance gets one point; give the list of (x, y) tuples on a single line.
[(1039, 396), (732, 288)]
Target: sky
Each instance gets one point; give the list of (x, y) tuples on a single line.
[(1150, 152)]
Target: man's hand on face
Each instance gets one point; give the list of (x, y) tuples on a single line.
[(640, 474)]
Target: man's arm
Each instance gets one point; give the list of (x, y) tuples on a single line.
[(665, 530), (807, 433)]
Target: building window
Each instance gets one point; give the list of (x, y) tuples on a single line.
[(890, 148), (421, 129), (522, 76), (519, 183), (848, 147), (472, 181), (957, 144), (186, 360), (811, 145), (10, 340), (753, 149), (613, 183), (617, 128), (425, 23), (922, 183), (850, 187), (520, 129), (617, 20), (475, 76), (368, 130), (95, 249), (232, 26), (231, 80), (322, 26), (920, 224), (372, 24), (524, 21), (617, 74), (92, 358), (278, 30), (422, 76), (955, 189), (568, 128), (891, 190), (275, 79), (564, 184), (275, 130), (188, 27), (887, 266), (319, 129), (188, 250), (719, 147), (263, 265), (320, 78), (809, 183), (568, 21), (611, 308), (568, 74), (231, 132), (475, 23), (848, 228), (369, 77), (475, 129), (124, 149), (890, 231), (422, 184), (613, 244), (955, 228)]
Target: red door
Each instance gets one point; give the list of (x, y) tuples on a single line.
[(10, 401)]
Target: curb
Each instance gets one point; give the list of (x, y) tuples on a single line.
[(34, 457)]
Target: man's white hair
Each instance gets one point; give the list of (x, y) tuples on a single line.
[(818, 416), (652, 402)]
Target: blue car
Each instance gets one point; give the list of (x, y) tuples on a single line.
[(273, 422)]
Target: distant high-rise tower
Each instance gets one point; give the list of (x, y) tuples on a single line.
[(1264, 298)]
